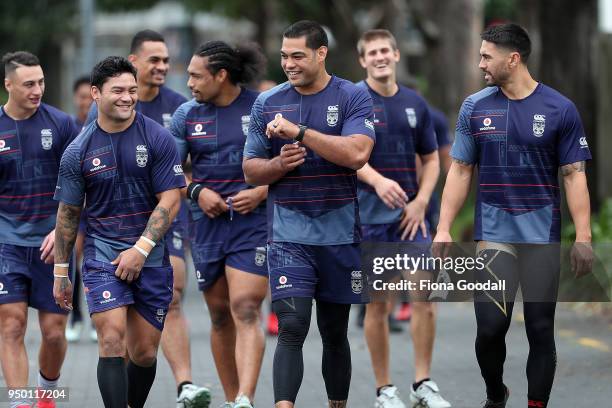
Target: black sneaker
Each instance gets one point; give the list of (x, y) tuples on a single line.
[(502, 404)]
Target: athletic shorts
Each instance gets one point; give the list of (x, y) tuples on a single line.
[(329, 273), (25, 278), (150, 294), (239, 243)]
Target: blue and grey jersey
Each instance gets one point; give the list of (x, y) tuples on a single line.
[(118, 176), (518, 146), (316, 203), (30, 154)]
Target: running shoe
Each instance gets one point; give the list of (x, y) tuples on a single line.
[(404, 313), (193, 396), (502, 404), (272, 324), (242, 401), (227, 404), (428, 396), (74, 331), (389, 398)]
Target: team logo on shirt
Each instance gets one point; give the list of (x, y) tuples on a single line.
[(46, 138), (356, 282), (260, 256), (411, 115), (368, 123), (141, 155), (332, 115), (167, 120), (539, 121), (246, 119), (2, 291)]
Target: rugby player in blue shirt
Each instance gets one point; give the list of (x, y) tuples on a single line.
[(228, 234), (33, 137), (519, 133), (126, 169), (307, 138), (393, 203)]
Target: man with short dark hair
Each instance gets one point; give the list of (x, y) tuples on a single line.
[(306, 139), (33, 136), (519, 133), (149, 55), (126, 169)]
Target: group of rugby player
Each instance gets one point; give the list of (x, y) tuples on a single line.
[(279, 183)]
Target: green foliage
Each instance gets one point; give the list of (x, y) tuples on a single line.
[(124, 5), (601, 225), (500, 10)]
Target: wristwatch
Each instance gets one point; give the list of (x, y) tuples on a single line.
[(300, 134)]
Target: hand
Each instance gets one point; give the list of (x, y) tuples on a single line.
[(247, 200), (291, 156), (581, 258), (391, 193), (282, 128), (130, 263), (413, 218), (211, 203), (62, 292), (441, 244), (47, 255)]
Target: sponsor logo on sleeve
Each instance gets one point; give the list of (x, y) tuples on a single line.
[(583, 143), (178, 169), (368, 123), (2, 291)]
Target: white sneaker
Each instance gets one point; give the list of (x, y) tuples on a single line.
[(389, 398), (242, 401), (193, 396), (227, 404), (428, 396), (74, 331)]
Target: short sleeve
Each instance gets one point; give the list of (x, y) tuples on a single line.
[(572, 146), (257, 143), (440, 125), (92, 115), (426, 136), (70, 188), (359, 116), (167, 171), (177, 128), (464, 147)]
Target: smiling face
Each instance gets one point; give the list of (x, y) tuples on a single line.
[(152, 62), (497, 63), (301, 64), (117, 98), (379, 59), (26, 86)]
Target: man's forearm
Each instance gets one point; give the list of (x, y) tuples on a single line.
[(455, 192), (262, 172), (368, 175), (66, 230), (431, 172), (345, 151), (162, 216), (578, 202)]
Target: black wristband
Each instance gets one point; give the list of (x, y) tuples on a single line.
[(301, 133), (193, 191)]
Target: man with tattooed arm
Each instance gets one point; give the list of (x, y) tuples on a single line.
[(126, 168)]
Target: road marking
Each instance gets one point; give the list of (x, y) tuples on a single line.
[(594, 343)]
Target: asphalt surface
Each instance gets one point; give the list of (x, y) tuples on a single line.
[(584, 371)]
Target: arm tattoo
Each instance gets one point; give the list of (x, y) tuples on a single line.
[(66, 228), (337, 404), (158, 224), (573, 167), (461, 162)]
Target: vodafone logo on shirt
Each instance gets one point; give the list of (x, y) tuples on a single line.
[(3, 146), (486, 122)]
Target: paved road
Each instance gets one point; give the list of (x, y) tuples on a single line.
[(584, 372)]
